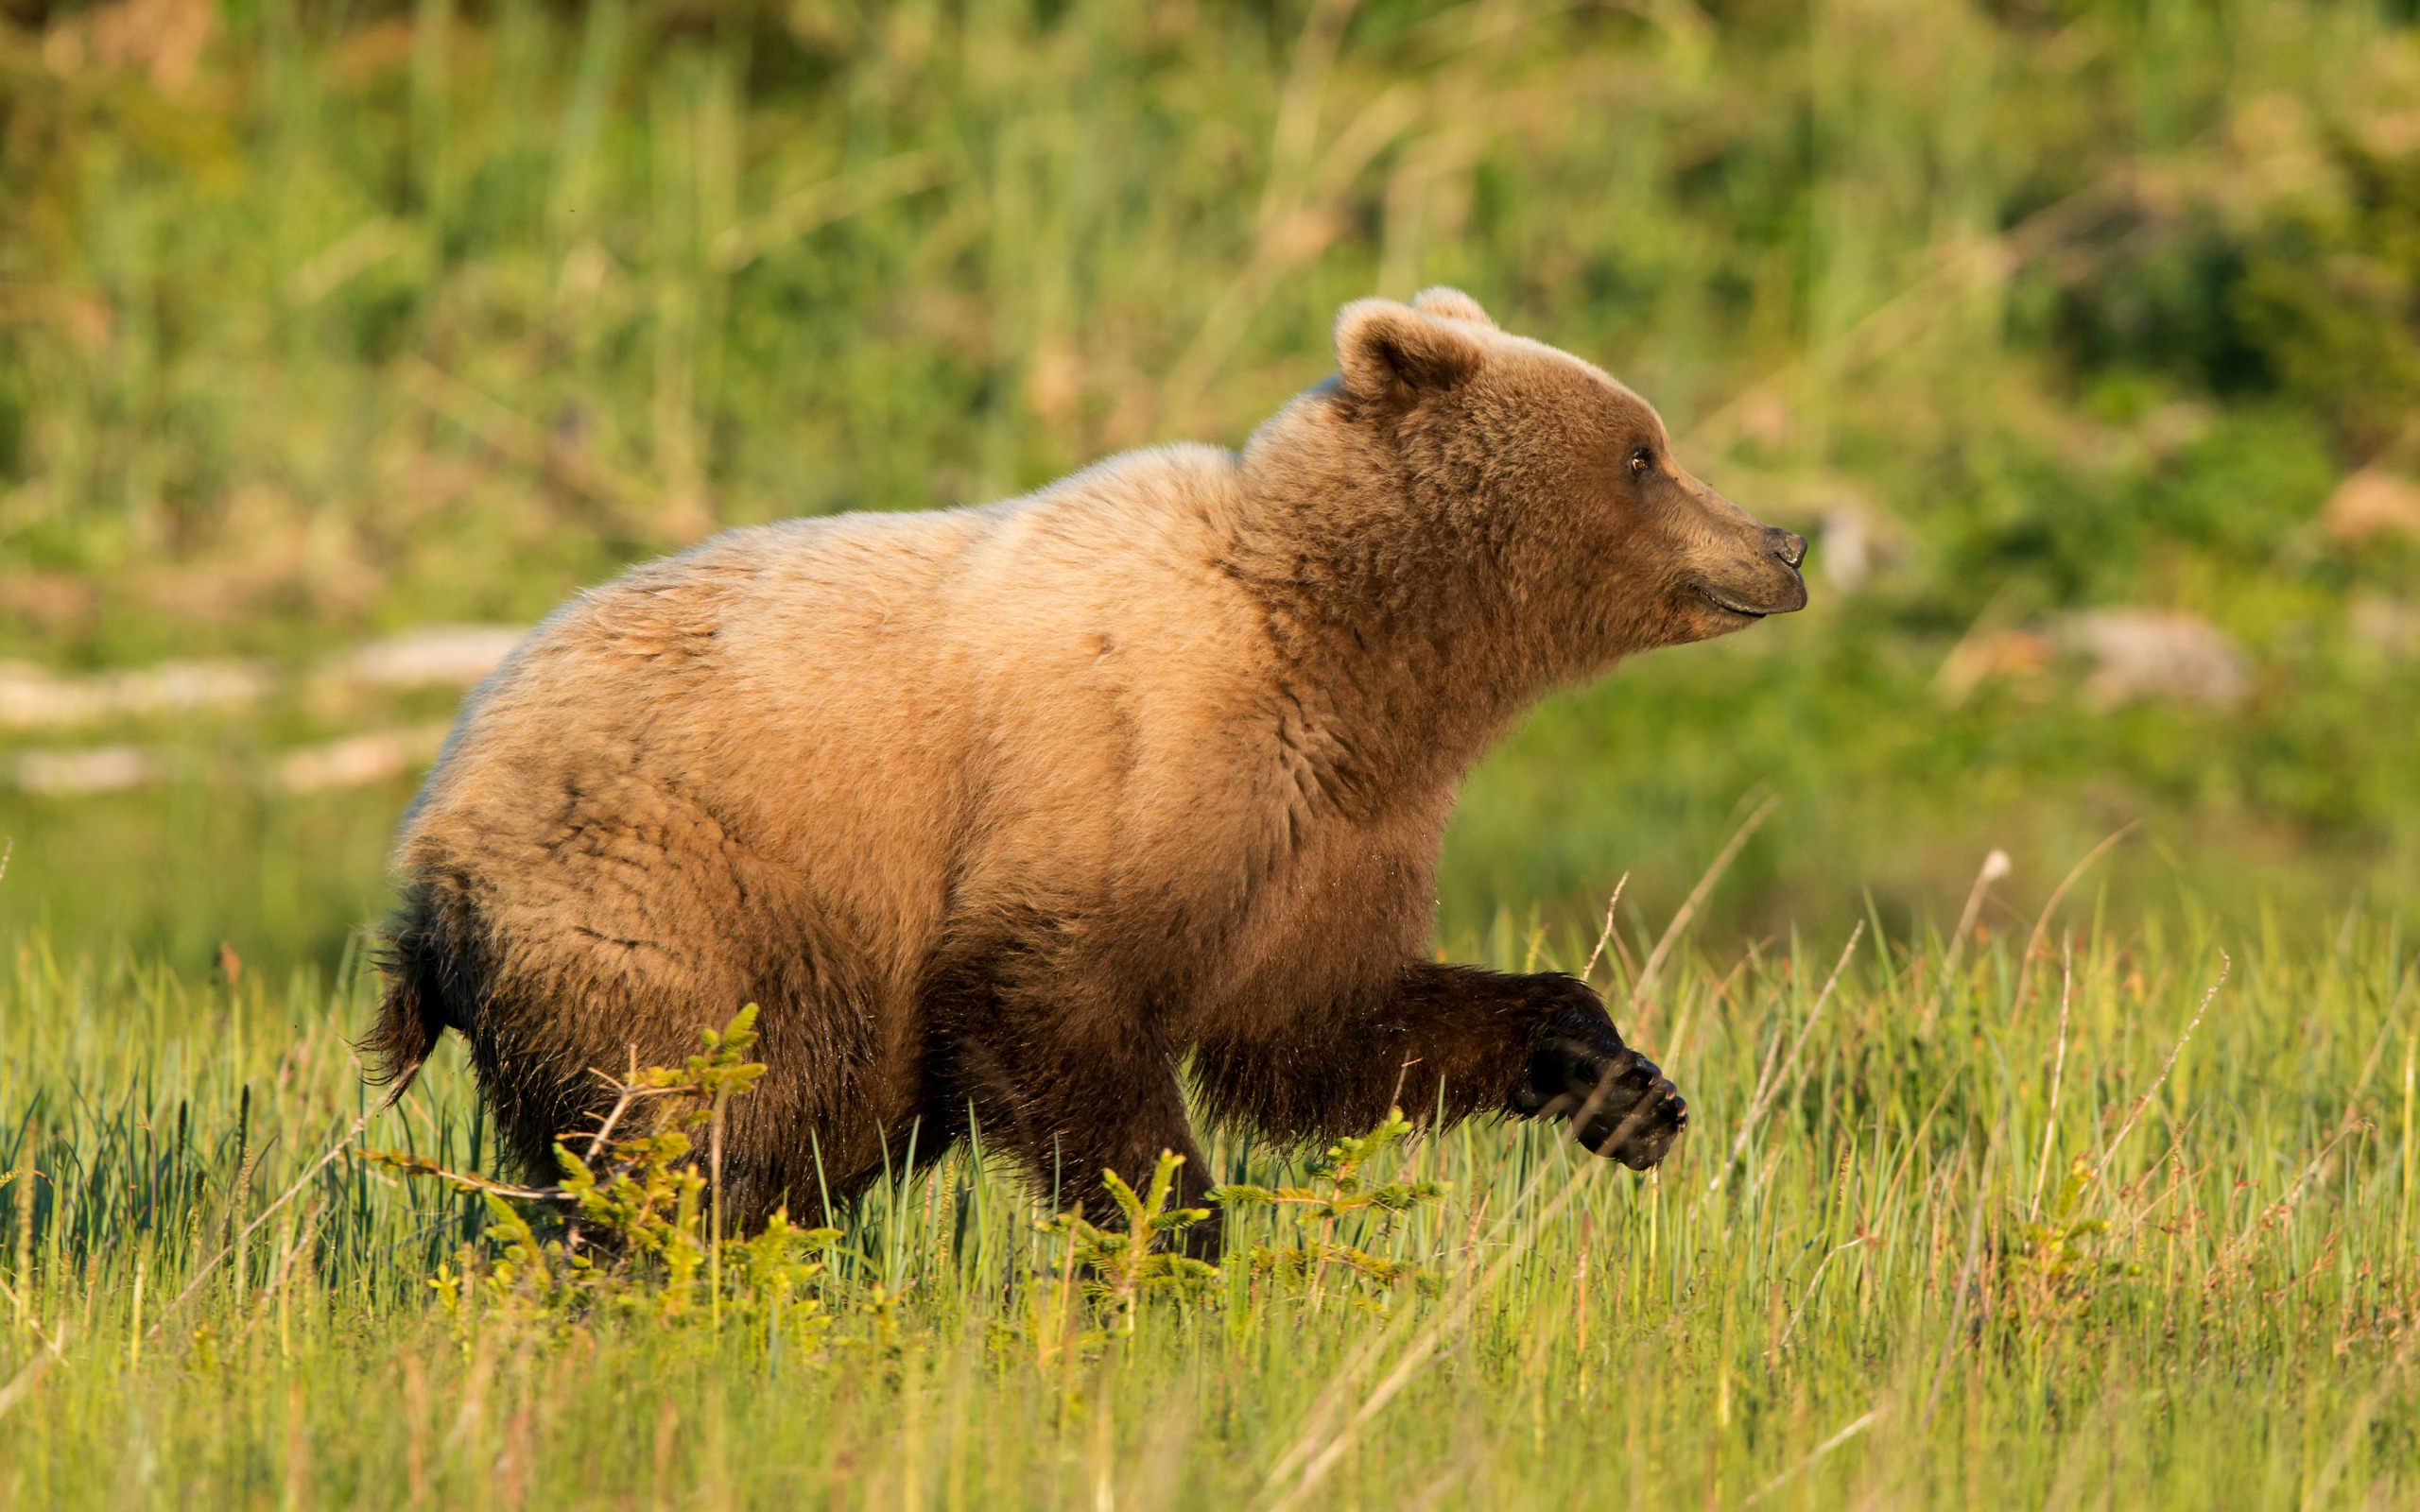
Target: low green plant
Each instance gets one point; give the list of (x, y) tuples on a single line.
[(1348, 1190), (2060, 1258), (635, 1236), (1121, 1269)]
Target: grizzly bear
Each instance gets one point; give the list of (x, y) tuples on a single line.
[(1003, 815)]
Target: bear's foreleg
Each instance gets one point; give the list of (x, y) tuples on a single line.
[(1456, 1041), (1620, 1103)]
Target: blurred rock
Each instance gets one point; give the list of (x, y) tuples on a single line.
[(1846, 549), (2135, 654), (452, 656), (100, 770), (2370, 503), (2161, 654), (1988, 655), (2172, 428), (32, 697), (2387, 625), (1855, 540), (435, 654), (358, 761)]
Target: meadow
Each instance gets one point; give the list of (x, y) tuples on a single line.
[(2127, 1225), (2081, 335)]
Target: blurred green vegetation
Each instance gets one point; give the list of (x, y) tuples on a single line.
[(319, 321)]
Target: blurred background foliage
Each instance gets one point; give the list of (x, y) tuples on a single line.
[(2083, 336)]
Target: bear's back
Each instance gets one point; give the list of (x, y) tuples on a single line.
[(868, 713)]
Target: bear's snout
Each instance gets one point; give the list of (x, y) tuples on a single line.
[(1756, 576)]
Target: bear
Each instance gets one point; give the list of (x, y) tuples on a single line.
[(1007, 816)]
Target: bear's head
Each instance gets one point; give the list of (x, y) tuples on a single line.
[(1552, 488)]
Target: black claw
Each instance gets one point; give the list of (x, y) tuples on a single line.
[(1618, 1100)]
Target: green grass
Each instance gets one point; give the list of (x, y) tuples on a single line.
[(2011, 1276), (366, 316)]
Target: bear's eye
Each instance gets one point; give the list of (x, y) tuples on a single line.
[(1641, 459)]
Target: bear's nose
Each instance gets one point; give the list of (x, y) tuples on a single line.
[(1790, 548)]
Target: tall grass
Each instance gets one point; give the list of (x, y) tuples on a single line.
[(1998, 1235), (321, 319)]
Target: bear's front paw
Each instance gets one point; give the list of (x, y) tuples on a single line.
[(1620, 1103)]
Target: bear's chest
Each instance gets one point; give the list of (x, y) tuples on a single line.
[(1335, 917)]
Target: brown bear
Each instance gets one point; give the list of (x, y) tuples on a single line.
[(1003, 814)]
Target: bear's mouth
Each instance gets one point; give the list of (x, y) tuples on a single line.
[(1729, 606)]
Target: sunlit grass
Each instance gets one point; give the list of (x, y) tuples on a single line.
[(358, 319), (2005, 1238)]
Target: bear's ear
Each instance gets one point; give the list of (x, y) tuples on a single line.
[(1452, 303), (1392, 351)]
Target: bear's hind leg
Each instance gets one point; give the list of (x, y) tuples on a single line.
[(1073, 1094)]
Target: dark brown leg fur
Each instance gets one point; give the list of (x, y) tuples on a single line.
[(1044, 1070), (1463, 1041), (1039, 1050)]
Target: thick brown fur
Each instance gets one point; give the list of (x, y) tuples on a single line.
[(1000, 813)]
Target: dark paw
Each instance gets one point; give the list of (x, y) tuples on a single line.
[(1618, 1102)]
